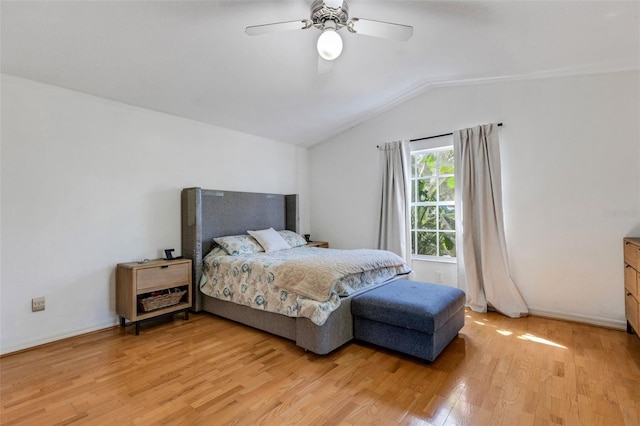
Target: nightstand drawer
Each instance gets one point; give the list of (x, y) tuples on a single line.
[(632, 311), (162, 276), (632, 254), (631, 280)]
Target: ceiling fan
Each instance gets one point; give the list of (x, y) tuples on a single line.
[(330, 16)]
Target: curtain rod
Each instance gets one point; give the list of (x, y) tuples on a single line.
[(438, 136)]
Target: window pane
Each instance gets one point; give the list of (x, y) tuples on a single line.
[(415, 217), (415, 161), (426, 217), (413, 190), (445, 162), (427, 243), (426, 164), (447, 188), (447, 217), (448, 244), (427, 190), (413, 242)]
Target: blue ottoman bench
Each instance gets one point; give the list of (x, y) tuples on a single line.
[(411, 317)]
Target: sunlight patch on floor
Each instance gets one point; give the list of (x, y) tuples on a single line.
[(527, 336), (536, 339)]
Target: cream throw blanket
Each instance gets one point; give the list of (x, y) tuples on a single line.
[(316, 277)]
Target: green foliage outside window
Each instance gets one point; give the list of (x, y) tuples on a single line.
[(432, 203)]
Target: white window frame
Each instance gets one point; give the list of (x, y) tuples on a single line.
[(420, 147)]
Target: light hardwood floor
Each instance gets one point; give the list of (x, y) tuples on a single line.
[(529, 371)]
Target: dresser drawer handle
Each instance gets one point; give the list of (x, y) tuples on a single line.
[(164, 266)]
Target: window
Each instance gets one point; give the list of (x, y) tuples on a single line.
[(433, 228)]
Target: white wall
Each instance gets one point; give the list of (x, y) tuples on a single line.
[(570, 150), (88, 183)]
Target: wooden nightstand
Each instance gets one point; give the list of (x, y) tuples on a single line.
[(143, 289), (321, 244)]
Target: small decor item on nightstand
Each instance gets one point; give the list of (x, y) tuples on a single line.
[(307, 237), (169, 255), (161, 299)]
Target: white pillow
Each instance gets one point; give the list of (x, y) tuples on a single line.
[(270, 240)]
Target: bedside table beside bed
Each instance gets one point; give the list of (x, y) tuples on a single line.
[(320, 244), (150, 289)]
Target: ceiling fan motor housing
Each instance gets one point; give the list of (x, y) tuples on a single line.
[(320, 13)]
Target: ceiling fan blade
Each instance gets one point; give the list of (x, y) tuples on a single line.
[(277, 27), (324, 66), (380, 29)]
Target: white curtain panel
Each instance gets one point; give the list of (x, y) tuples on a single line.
[(483, 266), (394, 209)]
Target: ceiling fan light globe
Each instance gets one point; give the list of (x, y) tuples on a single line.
[(329, 44)]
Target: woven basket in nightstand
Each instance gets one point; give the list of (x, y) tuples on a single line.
[(162, 301)]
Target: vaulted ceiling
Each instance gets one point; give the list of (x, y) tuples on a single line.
[(193, 59)]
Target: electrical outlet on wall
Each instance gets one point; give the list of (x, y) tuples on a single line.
[(439, 278), (37, 304)]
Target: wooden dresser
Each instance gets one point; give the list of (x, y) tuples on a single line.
[(632, 283)]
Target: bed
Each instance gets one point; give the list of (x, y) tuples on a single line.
[(211, 214)]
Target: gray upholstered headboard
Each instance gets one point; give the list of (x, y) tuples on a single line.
[(207, 214)]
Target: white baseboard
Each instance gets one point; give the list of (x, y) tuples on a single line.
[(37, 342), (602, 322)]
